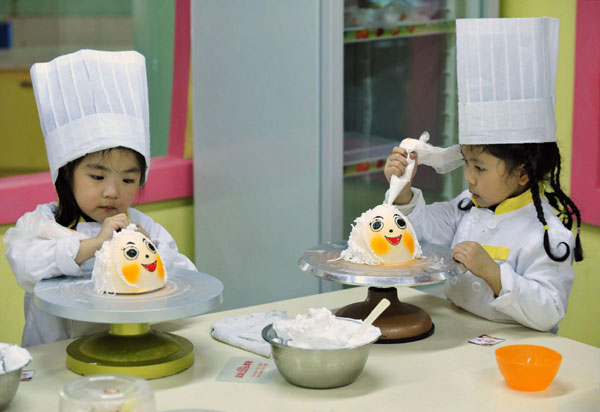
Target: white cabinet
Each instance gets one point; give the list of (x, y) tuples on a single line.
[(267, 105)]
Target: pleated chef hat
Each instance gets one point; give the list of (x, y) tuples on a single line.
[(92, 100), (506, 71)]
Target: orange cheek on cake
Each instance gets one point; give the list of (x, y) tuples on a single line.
[(379, 245), (131, 272), (160, 267), (409, 243)]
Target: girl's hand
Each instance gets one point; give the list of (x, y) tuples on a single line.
[(88, 247), (111, 224), (396, 163), (479, 263)]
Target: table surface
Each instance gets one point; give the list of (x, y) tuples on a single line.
[(442, 372)]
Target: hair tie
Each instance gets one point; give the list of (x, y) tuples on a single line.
[(546, 227)]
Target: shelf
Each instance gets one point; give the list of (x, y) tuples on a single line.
[(365, 154), (361, 34)]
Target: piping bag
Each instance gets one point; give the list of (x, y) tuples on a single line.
[(443, 160)]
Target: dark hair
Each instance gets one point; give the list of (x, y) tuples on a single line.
[(68, 212), (542, 164)]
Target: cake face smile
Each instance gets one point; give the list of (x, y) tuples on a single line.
[(394, 240), (151, 267)]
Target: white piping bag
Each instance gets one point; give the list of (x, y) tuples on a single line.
[(443, 160)]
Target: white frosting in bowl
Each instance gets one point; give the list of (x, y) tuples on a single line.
[(320, 329), (12, 357)]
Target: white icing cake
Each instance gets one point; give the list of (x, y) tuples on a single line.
[(382, 235), (128, 263)]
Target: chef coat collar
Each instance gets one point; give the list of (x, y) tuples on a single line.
[(513, 203)]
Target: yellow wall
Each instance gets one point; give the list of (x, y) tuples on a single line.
[(176, 216), (583, 316)]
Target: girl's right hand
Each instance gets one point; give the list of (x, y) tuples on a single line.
[(111, 224), (396, 163), (88, 247)]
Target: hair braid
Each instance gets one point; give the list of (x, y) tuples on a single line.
[(535, 195), (568, 209)]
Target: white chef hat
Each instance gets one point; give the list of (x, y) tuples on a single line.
[(506, 70), (92, 100)]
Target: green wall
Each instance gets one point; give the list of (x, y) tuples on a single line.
[(154, 22), (64, 8)]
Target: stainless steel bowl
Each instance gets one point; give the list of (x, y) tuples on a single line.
[(9, 382), (317, 368)]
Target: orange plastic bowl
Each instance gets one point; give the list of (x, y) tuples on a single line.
[(528, 367)]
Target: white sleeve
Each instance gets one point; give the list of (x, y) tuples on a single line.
[(39, 248), (539, 297), (437, 222), (165, 243), (417, 199), (32, 260)]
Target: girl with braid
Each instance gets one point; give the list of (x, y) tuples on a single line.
[(504, 228)]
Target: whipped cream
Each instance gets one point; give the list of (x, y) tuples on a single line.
[(320, 329), (12, 357)]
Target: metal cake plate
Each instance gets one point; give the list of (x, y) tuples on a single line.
[(435, 265), (187, 293)]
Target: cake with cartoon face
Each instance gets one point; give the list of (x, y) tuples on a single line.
[(382, 235), (128, 263)]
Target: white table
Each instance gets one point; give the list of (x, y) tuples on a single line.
[(442, 372)]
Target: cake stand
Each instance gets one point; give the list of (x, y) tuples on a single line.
[(400, 322), (130, 346)]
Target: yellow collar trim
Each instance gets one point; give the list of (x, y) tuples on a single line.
[(514, 203)]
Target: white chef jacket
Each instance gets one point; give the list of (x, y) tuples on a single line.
[(34, 254), (535, 289)]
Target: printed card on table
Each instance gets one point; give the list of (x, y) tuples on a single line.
[(247, 370), (486, 340)]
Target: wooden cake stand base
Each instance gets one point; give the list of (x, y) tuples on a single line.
[(400, 322)]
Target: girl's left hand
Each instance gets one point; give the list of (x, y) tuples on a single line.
[(139, 228), (479, 263)]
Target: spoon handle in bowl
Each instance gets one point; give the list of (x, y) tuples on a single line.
[(377, 310)]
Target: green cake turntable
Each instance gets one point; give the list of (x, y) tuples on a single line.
[(130, 346)]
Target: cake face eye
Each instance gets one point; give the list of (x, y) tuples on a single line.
[(130, 252), (150, 246), (376, 224), (401, 223)]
